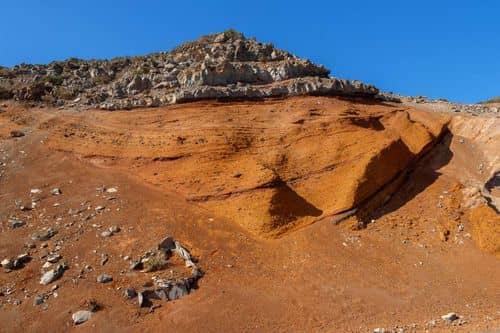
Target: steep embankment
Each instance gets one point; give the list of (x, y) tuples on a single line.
[(270, 166)]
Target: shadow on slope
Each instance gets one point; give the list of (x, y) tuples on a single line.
[(408, 184)]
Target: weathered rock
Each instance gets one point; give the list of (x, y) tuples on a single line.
[(104, 278), (43, 235), (16, 223), (56, 191), (111, 190), (7, 263), (52, 275), (106, 233), (129, 293), (37, 300), (177, 291), (114, 229), (54, 258), (449, 317), (16, 134), (167, 244), (81, 316), (225, 65)]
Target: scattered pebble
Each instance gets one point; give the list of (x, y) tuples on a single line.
[(81, 316), (104, 278), (56, 191), (449, 317)]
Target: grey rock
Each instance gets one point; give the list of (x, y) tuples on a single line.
[(56, 191), (7, 263), (177, 291), (23, 258), (114, 229), (16, 223), (167, 244), (136, 265), (224, 65), (450, 317), (37, 300), (140, 299), (52, 275), (81, 316), (182, 252), (104, 278), (54, 258), (43, 235), (129, 293), (379, 330), (106, 233)]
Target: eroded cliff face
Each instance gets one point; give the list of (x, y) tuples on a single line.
[(271, 166), (220, 66)]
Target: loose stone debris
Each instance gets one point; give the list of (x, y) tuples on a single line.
[(169, 289)]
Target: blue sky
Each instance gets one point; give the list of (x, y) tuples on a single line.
[(436, 48)]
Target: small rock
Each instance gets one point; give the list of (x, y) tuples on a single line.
[(99, 208), (112, 190), (129, 293), (449, 317), (167, 244), (54, 258), (7, 263), (16, 134), (35, 191), (26, 208), (104, 278), (23, 258), (177, 291), (38, 300), (140, 298), (43, 235), (16, 223), (81, 316), (52, 275), (106, 233), (104, 259), (136, 265), (56, 191), (379, 330), (114, 229)]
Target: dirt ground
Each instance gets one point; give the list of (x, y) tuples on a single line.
[(416, 260)]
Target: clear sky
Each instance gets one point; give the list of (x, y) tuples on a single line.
[(436, 48)]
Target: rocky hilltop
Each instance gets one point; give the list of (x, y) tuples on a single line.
[(226, 65)]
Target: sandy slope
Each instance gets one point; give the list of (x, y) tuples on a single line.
[(193, 171)]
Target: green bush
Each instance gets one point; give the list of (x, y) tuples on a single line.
[(55, 80)]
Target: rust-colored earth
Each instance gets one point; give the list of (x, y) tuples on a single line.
[(307, 214)]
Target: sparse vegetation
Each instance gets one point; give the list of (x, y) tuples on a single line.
[(55, 80), (5, 93), (6, 73), (492, 100), (155, 262)]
